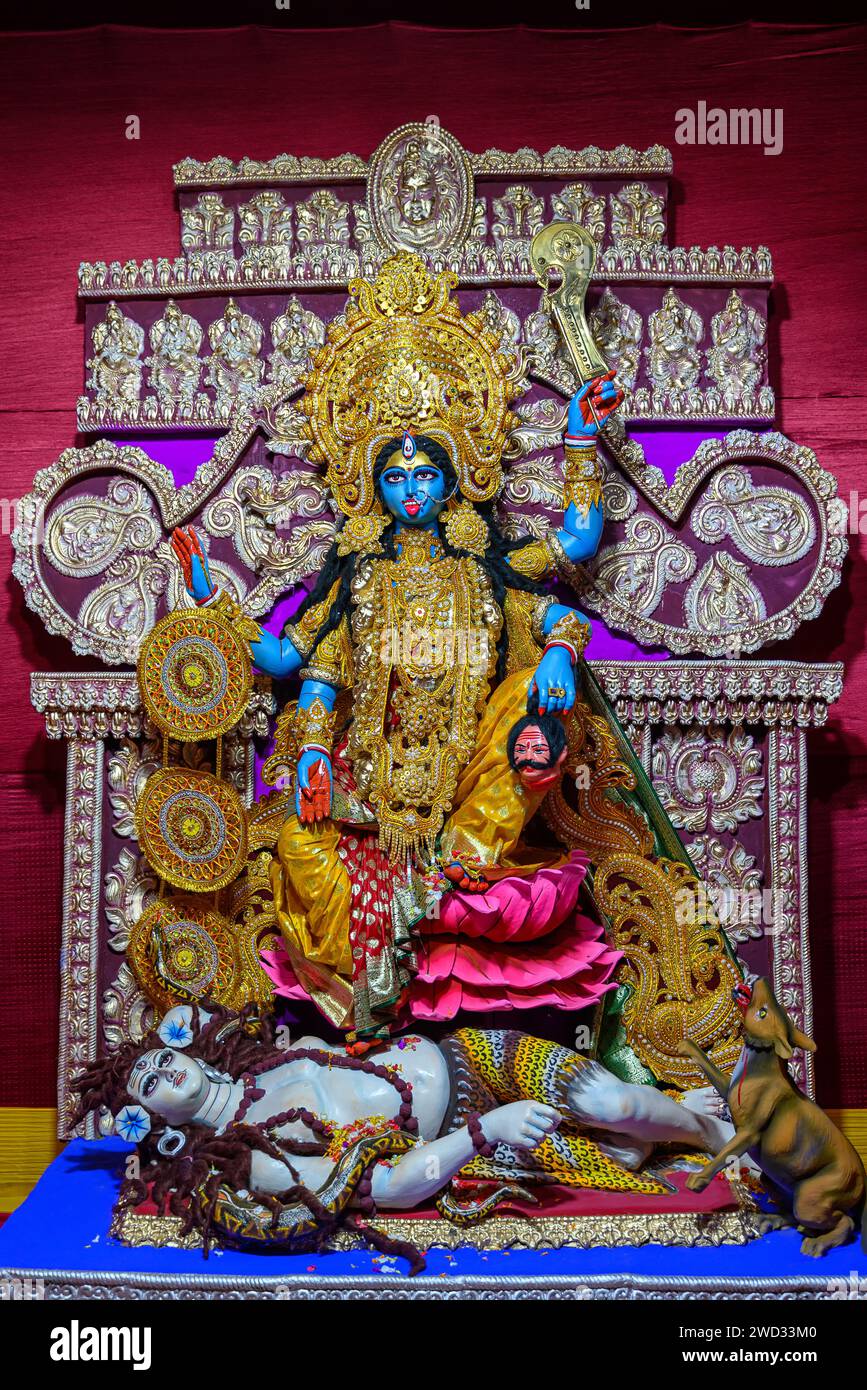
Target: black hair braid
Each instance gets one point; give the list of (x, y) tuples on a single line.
[(495, 562)]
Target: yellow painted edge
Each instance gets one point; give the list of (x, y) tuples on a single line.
[(29, 1143), (853, 1123)]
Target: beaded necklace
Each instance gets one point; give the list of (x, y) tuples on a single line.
[(317, 1126)]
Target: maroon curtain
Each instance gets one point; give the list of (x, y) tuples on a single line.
[(76, 189)]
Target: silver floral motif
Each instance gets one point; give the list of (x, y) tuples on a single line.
[(787, 800), (323, 220), (128, 770), (723, 600), (634, 572), (737, 359), (578, 203), (519, 215), (116, 366), (617, 329), (770, 525), (123, 608), (208, 225), (501, 320), (266, 220), (295, 334), (130, 887), (706, 778), (420, 190), (737, 879), (127, 1013), (637, 213)]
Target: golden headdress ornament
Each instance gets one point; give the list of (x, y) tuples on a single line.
[(402, 358)]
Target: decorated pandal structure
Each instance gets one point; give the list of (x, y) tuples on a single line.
[(434, 824)]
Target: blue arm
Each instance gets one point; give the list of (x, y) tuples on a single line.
[(555, 613), (310, 691), (275, 656), (580, 535)]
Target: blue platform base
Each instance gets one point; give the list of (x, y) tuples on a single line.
[(60, 1236)]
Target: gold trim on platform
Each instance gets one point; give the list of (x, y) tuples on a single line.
[(503, 1232)]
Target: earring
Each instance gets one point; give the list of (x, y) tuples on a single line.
[(361, 534), (171, 1141), (212, 1074), (466, 530)]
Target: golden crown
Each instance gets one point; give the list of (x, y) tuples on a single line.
[(404, 357)]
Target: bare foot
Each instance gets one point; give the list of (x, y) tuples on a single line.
[(704, 1100)]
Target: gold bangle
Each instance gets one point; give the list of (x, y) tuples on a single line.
[(582, 479), (313, 724), (572, 629)]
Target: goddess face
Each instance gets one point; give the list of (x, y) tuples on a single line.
[(168, 1084), (414, 492)]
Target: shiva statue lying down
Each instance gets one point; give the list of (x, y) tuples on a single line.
[(254, 1142)]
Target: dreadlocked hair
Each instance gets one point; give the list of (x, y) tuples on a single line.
[(187, 1183), (494, 561)]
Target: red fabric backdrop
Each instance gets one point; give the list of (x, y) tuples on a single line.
[(76, 189)]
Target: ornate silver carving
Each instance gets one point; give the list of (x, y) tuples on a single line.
[(722, 601), (578, 203), (420, 190), (634, 573), (116, 366), (75, 1285), (234, 368), (723, 608), (637, 213), (295, 334), (770, 525), (127, 1013), (787, 803), (175, 368), (207, 226), (266, 221), (673, 356), (617, 329), (129, 888), (737, 879), (79, 951), (502, 321), (559, 162), (518, 215), (87, 533), (737, 359), (708, 779)]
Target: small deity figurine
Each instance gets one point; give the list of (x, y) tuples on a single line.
[(402, 878), (738, 354), (175, 367), (673, 355), (234, 368), (116, 365), (295, 333), (221, 1113)]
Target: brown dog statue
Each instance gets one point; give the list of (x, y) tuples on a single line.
[(815, 1175)]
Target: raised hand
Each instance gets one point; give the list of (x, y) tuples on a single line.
[(591, 405), (524, 1123), (313, 792), (194, 563)]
